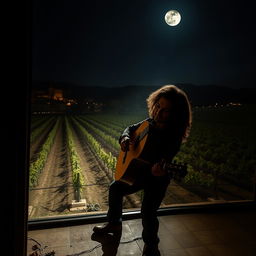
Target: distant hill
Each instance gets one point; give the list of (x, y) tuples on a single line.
[(133, 98)]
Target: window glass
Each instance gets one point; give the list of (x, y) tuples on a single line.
[(73, 156)]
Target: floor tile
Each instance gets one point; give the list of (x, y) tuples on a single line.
[(174, 252), (187, 240), (173, 224), (207, 237), (169, 242), (198, 251)]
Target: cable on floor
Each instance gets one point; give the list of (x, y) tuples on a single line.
[(99, 245), (39, 250)]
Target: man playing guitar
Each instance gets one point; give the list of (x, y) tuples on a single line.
[(166, 128)]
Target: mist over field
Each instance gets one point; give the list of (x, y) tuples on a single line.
[(129, 99)]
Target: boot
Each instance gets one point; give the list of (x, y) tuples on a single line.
[(151, 250), (108, 228)]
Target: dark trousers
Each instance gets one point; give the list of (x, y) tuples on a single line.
[(154, 192)]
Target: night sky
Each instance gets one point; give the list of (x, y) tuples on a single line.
[(121, 42)]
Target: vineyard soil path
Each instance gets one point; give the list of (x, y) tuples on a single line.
[(55, 180), (93, 175), (98, 175)]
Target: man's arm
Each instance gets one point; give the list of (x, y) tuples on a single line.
[(124, 139)]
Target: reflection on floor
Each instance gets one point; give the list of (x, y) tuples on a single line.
[(217, 234)]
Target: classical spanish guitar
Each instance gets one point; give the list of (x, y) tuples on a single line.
[(129, 163)]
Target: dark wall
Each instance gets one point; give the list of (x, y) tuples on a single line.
[(15, 167), (15, 123)]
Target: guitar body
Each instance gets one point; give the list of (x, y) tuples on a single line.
[(130, 166), (129, 162)]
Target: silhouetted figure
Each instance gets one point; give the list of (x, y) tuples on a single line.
[(168, 126)]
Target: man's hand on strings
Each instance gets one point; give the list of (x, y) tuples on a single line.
[(125, 142), (158, 170)]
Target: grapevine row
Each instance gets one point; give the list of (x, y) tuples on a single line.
[(108, 129), (37, 121), (37, 166), (107, 138), (107, 158), (118, 122), (36, 132), (77, 176)]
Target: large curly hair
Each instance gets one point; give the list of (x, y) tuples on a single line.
[(181, 108)]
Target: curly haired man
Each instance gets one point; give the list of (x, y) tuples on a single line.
[(169, 125)]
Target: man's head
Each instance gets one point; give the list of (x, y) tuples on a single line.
[(169, 105), (161, 112)]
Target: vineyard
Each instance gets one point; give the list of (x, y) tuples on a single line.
[(73, 158)]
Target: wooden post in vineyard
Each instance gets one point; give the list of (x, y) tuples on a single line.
[(77, 188)]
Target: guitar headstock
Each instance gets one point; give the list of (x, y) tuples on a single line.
[(176, 170)]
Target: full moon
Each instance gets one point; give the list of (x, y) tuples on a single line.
[(172, 18)]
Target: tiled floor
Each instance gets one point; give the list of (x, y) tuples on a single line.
[(208, 234)]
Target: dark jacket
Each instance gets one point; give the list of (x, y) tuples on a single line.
[(160, 144)]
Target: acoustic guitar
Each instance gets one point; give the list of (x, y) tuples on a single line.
[(130, 164)]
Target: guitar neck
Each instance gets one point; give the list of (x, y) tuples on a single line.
[(169, 166)]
